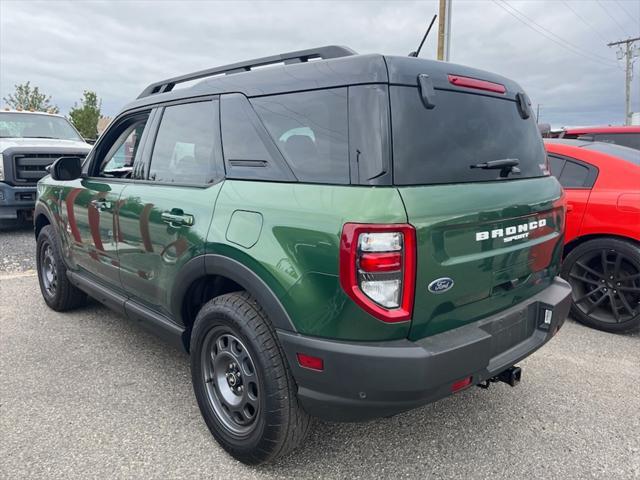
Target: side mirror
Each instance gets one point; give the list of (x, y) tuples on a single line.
[(66, 168)]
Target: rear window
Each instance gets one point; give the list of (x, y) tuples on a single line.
[(631, 140), (625, 153), (440, 145)]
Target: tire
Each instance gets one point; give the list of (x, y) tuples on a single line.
[(242, 381), (605, 278), (58, 292)]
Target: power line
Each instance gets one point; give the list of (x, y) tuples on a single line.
[(584, 21), (623, 8), (575, 47), (557, 40), (611, 16)]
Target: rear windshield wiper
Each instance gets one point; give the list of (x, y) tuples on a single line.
[(505, 165)]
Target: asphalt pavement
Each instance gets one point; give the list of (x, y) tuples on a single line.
[(87, 394)]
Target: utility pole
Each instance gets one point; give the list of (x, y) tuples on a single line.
[(627, 50), (538, 114), (444, 30)]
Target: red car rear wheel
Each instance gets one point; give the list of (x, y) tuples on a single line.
[(605, 277)]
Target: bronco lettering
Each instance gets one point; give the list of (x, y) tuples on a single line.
[(523, 231)]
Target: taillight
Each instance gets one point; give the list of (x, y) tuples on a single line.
[(381, 262), (378, 268), (469, 82)]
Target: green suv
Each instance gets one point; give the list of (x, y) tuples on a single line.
[(337, 235)]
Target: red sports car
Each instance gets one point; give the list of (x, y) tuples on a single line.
[(602, 238)]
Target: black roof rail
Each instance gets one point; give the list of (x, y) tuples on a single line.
[(330, 51)]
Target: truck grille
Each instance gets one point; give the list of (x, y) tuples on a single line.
[(31, 167)]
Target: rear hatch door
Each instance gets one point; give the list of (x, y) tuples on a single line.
[(487, 239)]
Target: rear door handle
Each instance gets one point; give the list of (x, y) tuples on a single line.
[(176, 218)]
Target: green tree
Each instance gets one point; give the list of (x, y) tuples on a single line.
[(85, 117), (26, 97)]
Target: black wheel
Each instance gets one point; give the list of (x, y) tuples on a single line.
[(242, 382), (605, 278), (57, 291)]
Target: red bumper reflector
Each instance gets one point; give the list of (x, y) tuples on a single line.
[(460, 384), (307, 361), (469, 82)]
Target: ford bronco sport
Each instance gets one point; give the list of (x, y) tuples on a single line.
[(338, 235), (29, 143)]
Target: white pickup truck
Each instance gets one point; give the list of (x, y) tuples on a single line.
[(29, 142)]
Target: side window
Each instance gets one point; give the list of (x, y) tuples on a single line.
[(249, 151), (311, 131), (121, 155), (184, 151), (555, 165), (574, 175)]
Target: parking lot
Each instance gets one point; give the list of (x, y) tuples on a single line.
[(89, 395)]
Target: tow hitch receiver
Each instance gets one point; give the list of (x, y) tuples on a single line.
[(510, 376)]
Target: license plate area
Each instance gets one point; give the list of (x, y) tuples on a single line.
[(512, 330)]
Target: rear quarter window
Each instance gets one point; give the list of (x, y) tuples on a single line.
[(311, 131), (574, 175), (249, 151), (439, 145)]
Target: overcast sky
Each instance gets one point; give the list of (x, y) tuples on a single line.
[(116, 48)]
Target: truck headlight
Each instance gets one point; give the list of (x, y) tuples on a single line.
[(1, 168)]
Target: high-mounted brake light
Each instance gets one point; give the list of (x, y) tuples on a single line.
[(469, 82), (378, 268)]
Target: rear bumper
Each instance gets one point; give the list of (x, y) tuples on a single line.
[(364, 381), (15, 199)]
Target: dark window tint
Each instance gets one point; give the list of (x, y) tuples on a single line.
[(369, 135), (629, 154), (311, 131), (631, 140), (555, 165), (440, 145), (184, 150), (574, 175), (249, 151)]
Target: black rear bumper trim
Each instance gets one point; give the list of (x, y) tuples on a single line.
[(361, 381)]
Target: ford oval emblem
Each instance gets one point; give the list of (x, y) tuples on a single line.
[(440, 285)]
